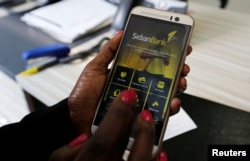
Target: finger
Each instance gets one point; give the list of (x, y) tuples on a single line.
[(144, 139), (185, 70), (114, 129), (175, 106), (91, 79), (189, 49), (70, 151), (182, 85), (106, 55)]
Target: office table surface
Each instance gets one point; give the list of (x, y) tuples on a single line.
[(220, 68)]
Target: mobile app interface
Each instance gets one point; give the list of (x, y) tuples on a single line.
[(147, 61)]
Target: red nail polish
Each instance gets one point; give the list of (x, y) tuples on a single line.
[(147, 115), (162, 156), (128, 96), (78, 140)]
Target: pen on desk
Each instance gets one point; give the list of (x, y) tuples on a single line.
[(64, 60), (34, 70), (55, 50)]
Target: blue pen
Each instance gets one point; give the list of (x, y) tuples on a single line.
[(56, 50), (61, 54)]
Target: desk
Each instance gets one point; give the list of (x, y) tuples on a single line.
[(220, 68), (219, 73)]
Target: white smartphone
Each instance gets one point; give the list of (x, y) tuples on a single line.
[(149, 60)]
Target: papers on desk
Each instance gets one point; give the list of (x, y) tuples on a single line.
[(179, 124), (69, 19)]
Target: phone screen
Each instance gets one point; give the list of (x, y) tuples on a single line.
[(147, 61)]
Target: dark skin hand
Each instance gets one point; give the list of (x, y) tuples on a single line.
[(109, 142), (86, 93)]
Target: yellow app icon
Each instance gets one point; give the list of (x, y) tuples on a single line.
[(116, 92), (160, 84), (142, 80), (123, 74), (155, 104), (156, 120)]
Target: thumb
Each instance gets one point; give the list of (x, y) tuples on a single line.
[(69, 151), (107, 53)]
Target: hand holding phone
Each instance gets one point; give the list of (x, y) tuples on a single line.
[(109, 142), (85, 95), (149, 60)]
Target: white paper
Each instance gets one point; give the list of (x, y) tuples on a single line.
[(70, 19), (179, 124)]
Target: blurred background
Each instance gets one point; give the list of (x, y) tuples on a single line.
[(13, 105)]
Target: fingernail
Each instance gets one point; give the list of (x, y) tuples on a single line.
[(147, 116), (128, 96), (162, 156), (118, 32), (78, 140), (177, 102)]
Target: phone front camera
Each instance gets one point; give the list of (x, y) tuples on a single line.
[(176, 18)]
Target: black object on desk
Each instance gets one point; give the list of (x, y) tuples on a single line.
[(223, 3), (8, 3), (217, 124)]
